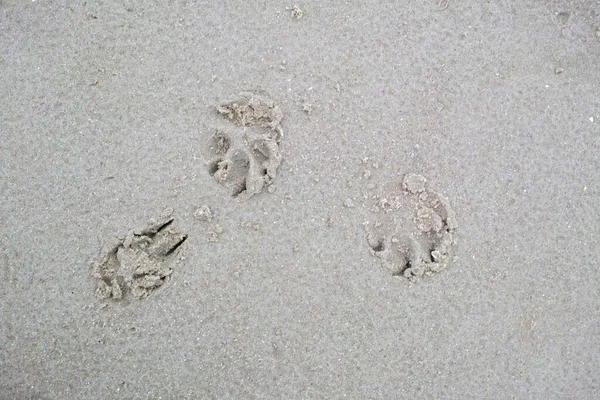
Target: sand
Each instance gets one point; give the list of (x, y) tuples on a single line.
[(107, 111)]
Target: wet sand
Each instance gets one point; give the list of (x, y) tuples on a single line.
[(107, 113)]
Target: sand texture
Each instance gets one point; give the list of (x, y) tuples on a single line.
[(300, 200)]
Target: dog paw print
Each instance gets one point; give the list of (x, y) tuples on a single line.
[(245, 157), (413, 230), (134, 266)]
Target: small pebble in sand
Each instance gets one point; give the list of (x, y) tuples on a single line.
[(307, 108), (213, 236), (203, 213)]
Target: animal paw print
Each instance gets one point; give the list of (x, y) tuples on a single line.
[(413, 231), (245, 157), (136, 265)]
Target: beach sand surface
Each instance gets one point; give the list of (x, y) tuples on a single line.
[(107, 110)]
